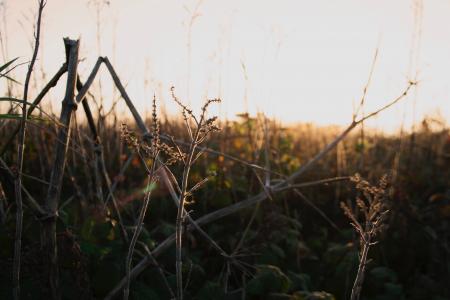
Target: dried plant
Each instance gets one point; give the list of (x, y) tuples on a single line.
[(198, 129), (368, 219), (149, 151), (252, 200), (154, 153), (20, 156)]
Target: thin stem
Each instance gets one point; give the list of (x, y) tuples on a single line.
[(38, 211), (215, 215), (137, 232), (160, 270), (170, 181), (183, 194), (179, 222), (18, 176), (357, 285)]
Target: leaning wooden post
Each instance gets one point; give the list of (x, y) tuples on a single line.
[(49, 224), (140, 123)]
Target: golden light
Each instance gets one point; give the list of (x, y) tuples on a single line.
[(298, 61)]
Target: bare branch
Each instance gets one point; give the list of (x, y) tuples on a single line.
[(18, 176), (251, 200)]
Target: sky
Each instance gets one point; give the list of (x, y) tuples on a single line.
[(295, 60)]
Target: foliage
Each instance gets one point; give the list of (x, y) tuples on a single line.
[(281, 249)]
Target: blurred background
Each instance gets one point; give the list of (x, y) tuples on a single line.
[(299, 69), (297, 61)]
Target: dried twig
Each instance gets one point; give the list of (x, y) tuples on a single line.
[(259, 197), (139, 225), (38, 211), (373, 210), (21, 146), (160, 270), (203, 127), (150, 151)]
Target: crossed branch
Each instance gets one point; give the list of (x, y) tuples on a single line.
[(49, 213)]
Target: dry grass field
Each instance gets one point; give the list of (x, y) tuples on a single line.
[(189, 206)]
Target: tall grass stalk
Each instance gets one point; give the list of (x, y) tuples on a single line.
[(20, 154), (203, 127), (372, 209)]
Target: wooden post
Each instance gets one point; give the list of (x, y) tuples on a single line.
[(49, 224)]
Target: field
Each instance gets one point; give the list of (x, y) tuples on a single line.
[(96, 206)]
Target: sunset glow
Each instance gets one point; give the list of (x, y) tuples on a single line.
[(298, 61), (224, 149)]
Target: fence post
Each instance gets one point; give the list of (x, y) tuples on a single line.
[(49, 224)]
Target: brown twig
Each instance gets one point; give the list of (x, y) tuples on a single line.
[(38, 211), (203, 127), (170, 181), (18, 176), (314, 183), (137, 232), (372, 209), (257, 198), (160, 270)]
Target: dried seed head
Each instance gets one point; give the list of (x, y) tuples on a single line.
[(186, 111), (347, 211), (208, 102), (129, 137), (155, 125), (173, 155), (373, 207)]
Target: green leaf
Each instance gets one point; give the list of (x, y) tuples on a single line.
[(19, 116), (87, 229), (5, 66), (268, 279), (10, 116), (166, 229), (277, 250), (9, 78), (149, 188), (312, 296), (210, 290), (106, 274), (89, 248), (142, 291), (321, 296), (280, 296), (383, 274), (393, 289), (300, 281)]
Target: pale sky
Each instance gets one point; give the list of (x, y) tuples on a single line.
[(296, 60)]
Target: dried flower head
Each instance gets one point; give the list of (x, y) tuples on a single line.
[(155, 125), (368, 217), (129, 137), (150, 146)]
